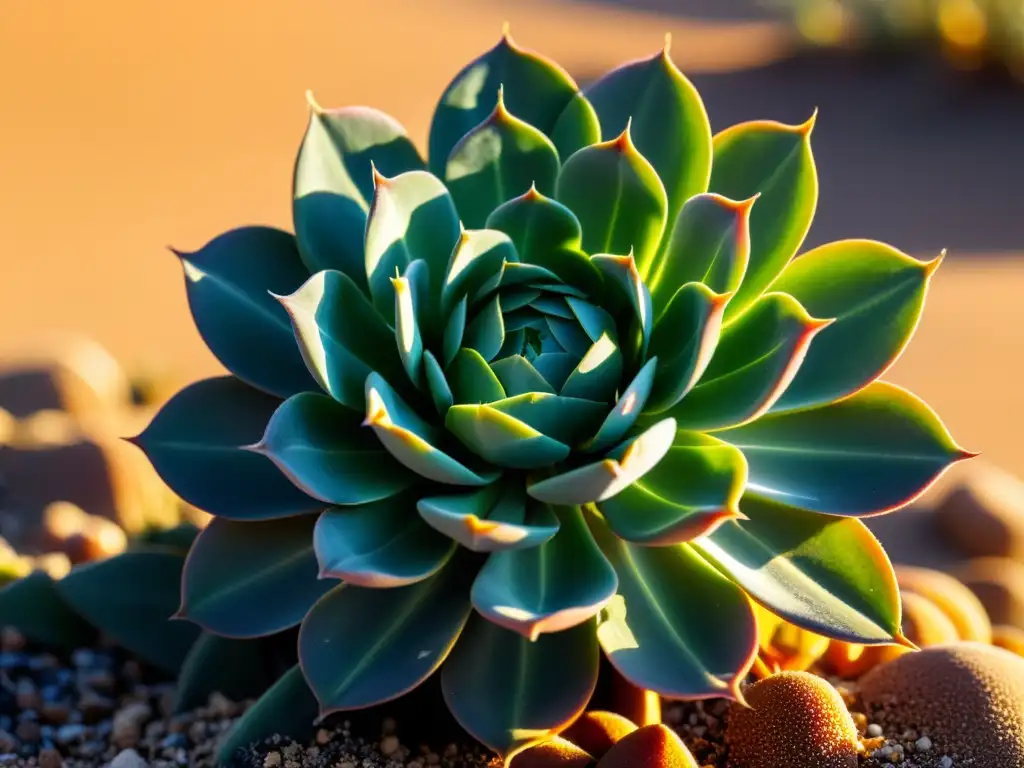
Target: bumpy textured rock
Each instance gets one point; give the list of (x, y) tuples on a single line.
[(653, 746), (951, 596), (967, 697), (598, 732), (557, 753), (1010, 638), (984, 515), (999, 584), (790, 714)]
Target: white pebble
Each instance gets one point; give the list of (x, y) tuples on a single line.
[(923, 744), (128, 758), (874, 730), (946, 762)]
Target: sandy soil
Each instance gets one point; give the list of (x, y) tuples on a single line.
[(127, 127)]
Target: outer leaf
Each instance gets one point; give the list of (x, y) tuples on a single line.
[(696, 642), (384, 544), (341, 336), (235, 668), (536, 690), (668, 122), (33, 605), (412, 217), (825, 574), (617, 197), (251, 579), (774, 160), (560, 584), (870, 453), (322, 448), (604, 479), (577, 127), (755, 360), (492, 519), (497, 160), (692, 491), (876, 294), (710, 244), (684, 339), (131, 597), (404, 635), (288, 708), (229, 282), (502, 439), (536, 90), (195, 443), (333, 182)]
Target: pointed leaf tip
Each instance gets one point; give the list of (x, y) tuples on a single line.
[(807, 126), (930, 267), (312, 102), (667, 48)]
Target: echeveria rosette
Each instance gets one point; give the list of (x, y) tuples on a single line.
[(560, 388)]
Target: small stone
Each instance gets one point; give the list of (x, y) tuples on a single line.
[(128, 723), (101, 680), (128, 758), (874, 730), (56, 712), (923, 744), (27, 696), (389, 745), (272, 760), (83, 658), (946, 762), (50, 758), (93, 706), (7, 743), (221, 706), (28, 730), (197, 731), (11, 639), (67, 734), (323, 737), (174, 741)]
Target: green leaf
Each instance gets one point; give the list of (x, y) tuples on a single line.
[(486, 332), (667, 120), (870, 453), (599, 373), (692, 491), (692, 642), (565, 335), (604, 479), (408, 438), (624, 415), (684, 339), (535, 88), (333, 182), (617, 197), (826, 574), (250, 579), (502, 439), (755, 360), (322, 448), (552, 587), (875, 292), (410, 299), (500, 158), (383, 544), (34, 606), (195, 444), (566, 419), (230, 283), (412, 217), (453, 331), (287, 709), (235, 668), (478, 258), (492, 519), (548, 235), (437, 384), (403, 634), (518, 377), (627, 290), (511, 693), (131, 597), (555, 367), (594, 321), (179, 537), (710, 244), (472, 380), (774, 160), (577, 127), (341, 336)]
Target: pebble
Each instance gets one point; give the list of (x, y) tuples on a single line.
[(923, 744), (128, 723), (128, 758), (50, 758), (946, 762)]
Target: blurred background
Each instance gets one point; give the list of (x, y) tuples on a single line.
[(129, 127)]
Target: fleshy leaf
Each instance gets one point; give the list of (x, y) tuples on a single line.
[(497, 160), (230, 282), (577, 127), (566, 419), (195, 444), (486, 332), (130, 597), (875, 292), (251, 579), (453, 331), (870, 453), (383, 544), (692, 642), (692, 491), (412, 217), (492, 519), (667, 120), (472, 380), (627, 409), (502, 439), (755, 360), (410, 299), (34, 607), (552, 587), (825, 574), (341, 336), (709, 244), (604, 479), (599, 373), (617, 197), (774, 160), (404, 635), (408, 438), (235, 668), (333, 182), (322, 448), (684, 339), (627, 290), (437, 384), (477, 259), (536, 90), (555, 367), (594, 321), (535, 689), (518, 377)]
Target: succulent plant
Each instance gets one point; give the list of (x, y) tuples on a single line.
[(559, 388)]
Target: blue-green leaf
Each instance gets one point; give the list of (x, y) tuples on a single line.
[(626, 411), (566, 419), (437, 384), (411, 299), (478, 259), (33, 606), (486, 332), (472, 380), (502, 439), (518, 377), (599, 373)]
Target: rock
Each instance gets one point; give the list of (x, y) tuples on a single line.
[(984, 515), (128, 758), (1008, 638), (128, 723), (11, 639), (556, 753), (967, 697), (50, 758), (652, 746), (597, 732), (999, 584), (792, 713), (951, 596)]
